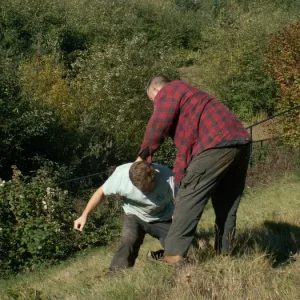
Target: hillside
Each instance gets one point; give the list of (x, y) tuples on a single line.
[(266, 263)]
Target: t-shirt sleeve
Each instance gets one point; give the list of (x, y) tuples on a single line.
[(113, 183)]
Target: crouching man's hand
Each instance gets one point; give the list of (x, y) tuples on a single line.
[(92, 204), (79, 223)]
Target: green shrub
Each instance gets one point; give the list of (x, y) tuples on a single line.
[(166, 154), (111, 83), (232, 64), (36, 222), (283, 61)]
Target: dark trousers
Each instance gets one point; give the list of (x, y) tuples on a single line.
[(218, 174), (132, 236)]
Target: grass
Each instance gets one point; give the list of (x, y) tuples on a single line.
[(264, 265)]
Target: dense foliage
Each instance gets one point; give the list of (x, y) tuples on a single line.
[(284, 62), (36, 220), (72, 78)]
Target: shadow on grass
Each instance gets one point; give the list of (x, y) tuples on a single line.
[(279, 240)]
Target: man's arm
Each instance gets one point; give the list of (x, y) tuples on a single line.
[(95, 200), (166, 109)]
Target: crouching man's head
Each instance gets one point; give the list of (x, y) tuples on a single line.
[(142, 175)]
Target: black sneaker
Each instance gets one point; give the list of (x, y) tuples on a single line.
[(156, 255)]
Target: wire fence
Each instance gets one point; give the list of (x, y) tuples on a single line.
[(100, 174), (269, 119), (266, 130)]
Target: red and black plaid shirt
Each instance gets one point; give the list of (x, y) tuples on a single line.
[(195, 121)]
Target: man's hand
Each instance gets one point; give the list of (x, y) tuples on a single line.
[(139, 159), (79, 223), (92, 204)]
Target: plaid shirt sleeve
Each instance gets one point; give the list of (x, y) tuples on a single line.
[(166, 109)]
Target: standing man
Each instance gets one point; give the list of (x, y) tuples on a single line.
[(148, 192), (213, 150)]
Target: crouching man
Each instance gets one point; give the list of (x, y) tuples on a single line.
[(148, 191)]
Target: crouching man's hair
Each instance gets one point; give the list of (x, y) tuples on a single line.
[(142, 175)]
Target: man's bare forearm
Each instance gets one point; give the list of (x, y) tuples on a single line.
[(95, 200)]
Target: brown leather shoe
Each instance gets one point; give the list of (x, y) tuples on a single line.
[(171, 259)]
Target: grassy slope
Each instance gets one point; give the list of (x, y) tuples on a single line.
[(266, 265)]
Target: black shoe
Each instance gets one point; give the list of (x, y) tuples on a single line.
[(156, 255)]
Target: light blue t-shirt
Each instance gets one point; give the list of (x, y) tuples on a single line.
[(155, 206)]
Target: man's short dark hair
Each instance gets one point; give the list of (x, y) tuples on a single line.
[(157, 81), (142, 175)]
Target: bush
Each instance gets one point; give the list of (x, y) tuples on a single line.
[(36, 222), (111, 83), (166, 154), (283, 58), (232, 64)]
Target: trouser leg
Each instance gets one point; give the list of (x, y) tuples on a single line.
[(158, 230), (132, 237), (185, 219), (226, 199), (201, 178), (225, 225)]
